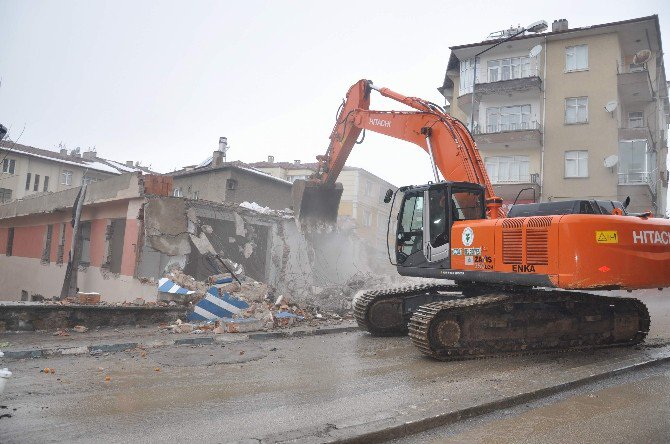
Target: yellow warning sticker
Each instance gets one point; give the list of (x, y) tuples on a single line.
[(607, 237)]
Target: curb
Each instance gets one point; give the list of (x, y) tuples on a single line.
[(406, 425), (208, 340)]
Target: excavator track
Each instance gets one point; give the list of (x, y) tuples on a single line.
[(385, 313), (529, 322)]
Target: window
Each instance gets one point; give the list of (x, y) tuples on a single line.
[(8, 166), (465, 79), (506, 169), (635, 119), (231, 184), (636, 162), (36, 187), (368, 188), (577, 110), (66, 178), (382, 222), (177, 192), (367, 218), (5, 195), (410, 228), (46, 183), (507, 69), (28, 176), (297, 177), (508, 118), (196, 195), (87, 180), (10, 241), (60, 252), (633, 67), (576, 58), (46, 251), (85, 237), (576, 164), (467, 204)]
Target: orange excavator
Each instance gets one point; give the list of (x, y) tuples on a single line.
[(520, 279)]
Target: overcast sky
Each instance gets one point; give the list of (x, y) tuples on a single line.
[(158, 82)]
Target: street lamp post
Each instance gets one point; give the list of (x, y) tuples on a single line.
[(535, 27)]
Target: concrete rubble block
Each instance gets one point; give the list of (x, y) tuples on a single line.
[(88, 298), (243, 325)]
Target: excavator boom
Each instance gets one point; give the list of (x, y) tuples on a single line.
[(447, 141)]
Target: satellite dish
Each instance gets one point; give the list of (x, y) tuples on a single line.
[(535, 50), (642, 57), (611, 161), (611, 106)]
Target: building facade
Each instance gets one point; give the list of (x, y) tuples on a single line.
[(215, 180), (569, 113), (362, 196), (26, 170)]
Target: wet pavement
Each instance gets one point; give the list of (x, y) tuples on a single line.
[(633, 409), (255, 389)]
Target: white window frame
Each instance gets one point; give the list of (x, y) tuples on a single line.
[(176, 192), (66, 177), (369, 188), (502, 122), (576, 103), (382, 222), (367, 218), (8, 166), (581, 162), (635, 119), (508, 69), (508, 169), (572, 59)]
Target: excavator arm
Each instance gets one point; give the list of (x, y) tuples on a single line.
[(446, 140)]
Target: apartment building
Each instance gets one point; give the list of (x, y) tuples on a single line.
[(362, 196), (569, 113), (26, 170)]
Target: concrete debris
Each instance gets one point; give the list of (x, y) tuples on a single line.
[(5, 374), (88, 298), (80, 329), (139, 301)]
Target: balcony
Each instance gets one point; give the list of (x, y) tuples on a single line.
[(637, 132), (524, 86), (515, 135), (634, 85)]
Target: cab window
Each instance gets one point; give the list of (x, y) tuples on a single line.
[(467, 204)]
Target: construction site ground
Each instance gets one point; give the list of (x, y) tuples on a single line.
[(343, 386)]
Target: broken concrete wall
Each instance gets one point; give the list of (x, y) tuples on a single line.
[(269, 245)]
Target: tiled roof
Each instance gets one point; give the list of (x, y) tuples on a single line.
[(94, 163)]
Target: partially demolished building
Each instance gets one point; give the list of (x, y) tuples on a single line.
[(133, 232)]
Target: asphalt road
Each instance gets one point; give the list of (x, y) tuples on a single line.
[(256, 389)]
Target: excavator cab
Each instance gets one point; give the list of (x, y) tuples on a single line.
[(427, 213)]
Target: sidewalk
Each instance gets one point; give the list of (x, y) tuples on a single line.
[(22, 345)]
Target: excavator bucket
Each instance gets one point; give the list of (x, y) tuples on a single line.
[(315, 203)]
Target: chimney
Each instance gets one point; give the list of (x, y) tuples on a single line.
[(90, 154), (296, 161), (63, 151), (271, 159), (559, 25), (76, 152), (129, 163), (217, 158), (223, 145)]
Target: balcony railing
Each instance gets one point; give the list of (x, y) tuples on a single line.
[(636, 177), (485, 77), (504, 127)]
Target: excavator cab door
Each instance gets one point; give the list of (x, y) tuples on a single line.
[(437, 226)]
